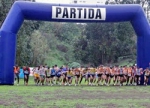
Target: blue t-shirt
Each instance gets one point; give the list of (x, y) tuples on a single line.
[(59, 72), (64, 70), (52, 71)]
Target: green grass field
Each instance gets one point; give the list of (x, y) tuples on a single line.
[(74, 97)]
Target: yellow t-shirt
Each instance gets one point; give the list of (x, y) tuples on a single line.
[(92, 70), (69, 73)]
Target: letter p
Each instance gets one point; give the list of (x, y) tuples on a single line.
[(58, 11)]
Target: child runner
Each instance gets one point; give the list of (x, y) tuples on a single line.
[(111, 74), (99, 74), (36, 75), (16, 73), (53, 73), (92, 75), (42, 75), (48, 74), (58, 76), (64, 74), (146, 76), (26, 75), (138, 75), (121, 75), (69, 77), (77, 75), (107, 75)]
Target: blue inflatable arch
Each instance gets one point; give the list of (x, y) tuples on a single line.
[(21, 11)]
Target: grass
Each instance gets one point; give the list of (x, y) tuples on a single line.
[(74, 97)]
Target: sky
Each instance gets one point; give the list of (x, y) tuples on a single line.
[(54, 1), (65, 1)]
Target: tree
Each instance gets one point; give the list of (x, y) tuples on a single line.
[(105, 43), (5, 6), (24, 51), (39, 48)]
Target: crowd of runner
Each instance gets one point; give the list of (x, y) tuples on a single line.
[(102, 75)]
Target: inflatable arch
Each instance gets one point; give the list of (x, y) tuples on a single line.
[(21, 11)]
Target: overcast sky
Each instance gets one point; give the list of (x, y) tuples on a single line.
[(66, 1), (54, 1)]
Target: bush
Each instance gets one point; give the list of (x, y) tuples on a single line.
[(74, 64)]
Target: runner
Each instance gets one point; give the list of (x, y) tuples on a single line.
[(116, 75), (82, 73), (111, 74), (107, 75), (103, 78), (121, 75), (58, 76), (26, 70), (92, 75), (69, 77), (42, 74), (100, 71), (88, 76), (36, 75), (85, 74), (146, 76), (53, 73), (132, 75), (129, 78), (16, 73), (48, 74), (77, 76), (125, 73), (138, 75), (64, 74)]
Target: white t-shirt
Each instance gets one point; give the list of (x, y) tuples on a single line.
[(42, 71)]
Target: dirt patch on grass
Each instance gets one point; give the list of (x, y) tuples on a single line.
[(145, 105), (78, 96), (81, 106), (86, 94), (13, 100), (110, 105)]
